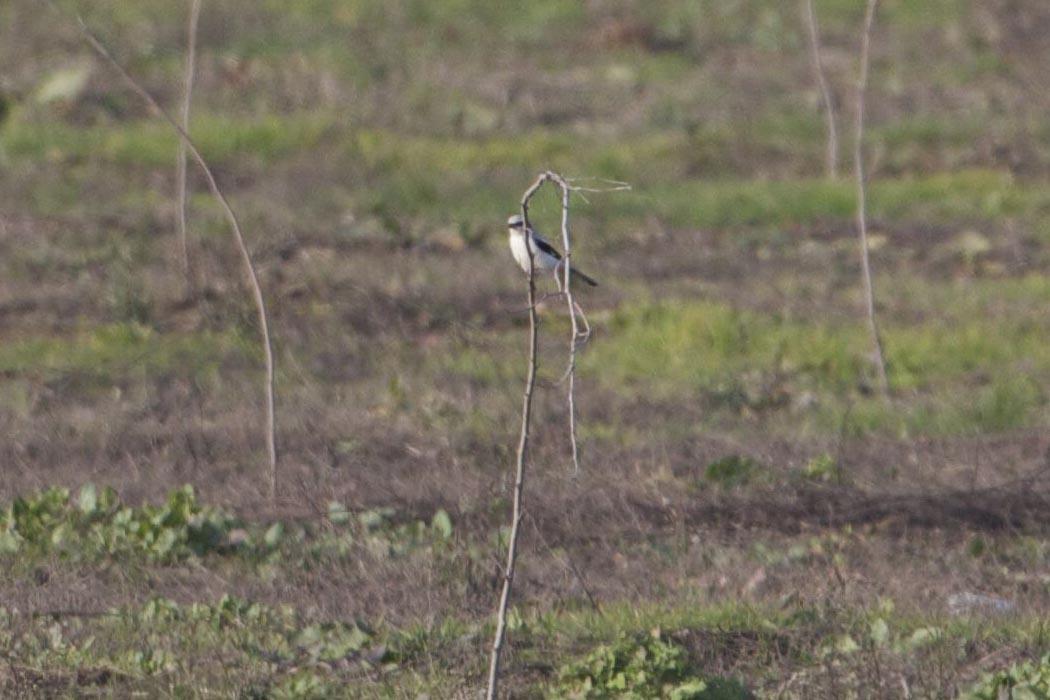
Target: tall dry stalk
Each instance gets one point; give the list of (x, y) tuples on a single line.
[(522, 457), (831, 158), (180, 161), (578, 336), (859, 175), (249, 267)]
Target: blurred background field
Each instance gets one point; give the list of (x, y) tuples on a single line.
[(744, 486)]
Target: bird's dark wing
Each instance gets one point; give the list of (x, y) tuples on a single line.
[(546, 247)]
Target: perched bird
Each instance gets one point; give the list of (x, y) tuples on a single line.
[(545, 257)]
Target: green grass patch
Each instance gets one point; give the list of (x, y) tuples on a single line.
[(220, 139), (742, 360), (974, 195), (109, 350), (659, 166), (403, 189), (467, 158), (1003, 403), (908, 14), (692, 345), (959, 301)]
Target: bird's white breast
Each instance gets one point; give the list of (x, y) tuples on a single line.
[(518, 250), (541, 261)]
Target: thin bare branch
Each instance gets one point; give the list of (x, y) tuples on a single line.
[(523, 450), (859, 175), (579, 337), (832, 154), (253, 279), (574, 342), (180, 162), (614, 185)]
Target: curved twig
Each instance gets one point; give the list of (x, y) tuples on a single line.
[(832, 154), (862, 225), (253, 279)]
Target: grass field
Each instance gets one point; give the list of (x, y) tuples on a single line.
[(751, 518)]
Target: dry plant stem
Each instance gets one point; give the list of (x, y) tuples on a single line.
[(523, 451), (577, 336), (581, 338), (180, 162), (862, 226), (260, 304), (832, 156)]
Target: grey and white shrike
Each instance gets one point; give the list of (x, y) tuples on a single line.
[(545, 257)]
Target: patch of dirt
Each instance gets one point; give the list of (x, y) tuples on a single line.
[(19, 681)]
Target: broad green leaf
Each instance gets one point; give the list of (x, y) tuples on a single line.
[(87, 500), (355, 640), (1025, 692), (273, 535), (442, 523), (165, 542), (61, 534), (880, 632), (10, 542), (64, 84), (689, 690), (309, 636), (846, 645)]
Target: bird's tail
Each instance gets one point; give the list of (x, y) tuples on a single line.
[(580, 276)]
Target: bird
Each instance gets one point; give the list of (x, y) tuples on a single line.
[(545, 257)]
